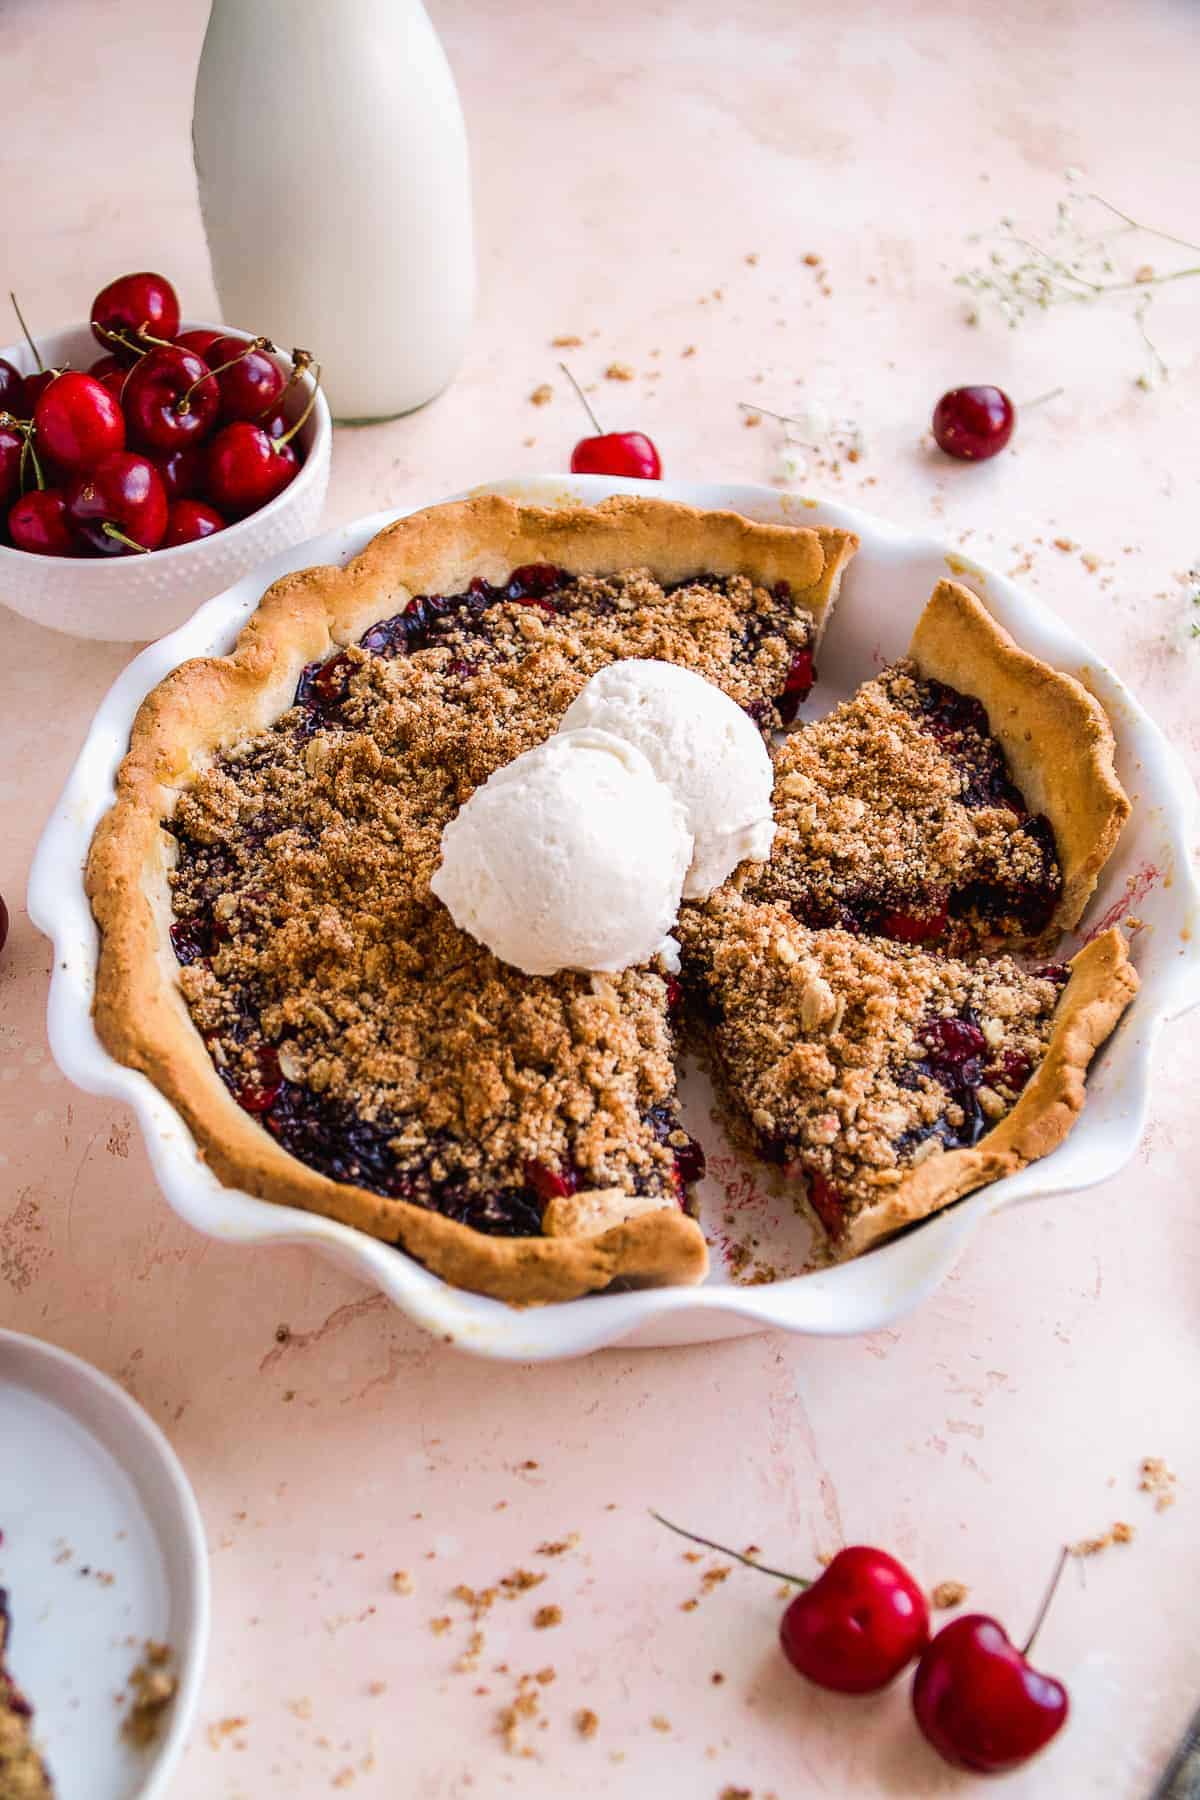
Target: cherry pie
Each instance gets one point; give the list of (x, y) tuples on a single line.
[(23, 1774), (273, 958)]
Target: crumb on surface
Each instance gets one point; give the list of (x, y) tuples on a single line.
[(947, 1594), (659, 1722), (1157, 1479), (546, 1616), (558, 1546), (619, 371), (153, 1686), (542, 394), (220, 1729), (401, 1581), (440, 1625), (586, 1722), (566, 340)]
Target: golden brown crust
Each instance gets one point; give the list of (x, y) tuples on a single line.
[(1058, 742), (206, 706), (1103, 982)]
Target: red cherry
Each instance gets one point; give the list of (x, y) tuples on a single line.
[(797, 685), (199, 340), (246, 468), (12, 443), (3, 923), (190, 520), (979, 1702), (12, 387), (259, 1092), (110, 374), (131, 305), (612, 452), (550, 1184), (973, 423), (617, 453), (182, 472), (170, 399), (78, 422), (119, 506), (35, 385), (251, 384), (857, 1626), (914, 927), (38, 523)]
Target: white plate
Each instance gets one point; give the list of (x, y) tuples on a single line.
[(885, 588), (102, 1549)]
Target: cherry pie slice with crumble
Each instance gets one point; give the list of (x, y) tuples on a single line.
[(893, 1080)]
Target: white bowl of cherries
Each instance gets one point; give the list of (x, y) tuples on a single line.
[(146, 462)]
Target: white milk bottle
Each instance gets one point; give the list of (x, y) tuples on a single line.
[(335, 187)]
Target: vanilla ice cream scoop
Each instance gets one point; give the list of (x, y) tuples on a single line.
[(703, 746), (572, 856)]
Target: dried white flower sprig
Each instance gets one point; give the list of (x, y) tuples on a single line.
[(1086, 257), (813, 432)]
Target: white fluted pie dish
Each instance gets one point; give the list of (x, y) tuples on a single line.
[(884, 590)]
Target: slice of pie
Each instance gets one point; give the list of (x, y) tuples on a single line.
[(23, 1774), (892, 1079), (966, 796), (271, 954)]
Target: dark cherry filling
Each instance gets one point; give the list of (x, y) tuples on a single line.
[(427, 619)]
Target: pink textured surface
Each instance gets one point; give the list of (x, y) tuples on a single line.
[(658, 149)]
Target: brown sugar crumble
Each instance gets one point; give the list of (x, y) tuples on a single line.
[(401, 1582), (619, 371), (566, 341), (1119, 1533), (546, 1616), (542, 394), (947, 1594), (1157, 1479), (587, 1723), (154, 1687)]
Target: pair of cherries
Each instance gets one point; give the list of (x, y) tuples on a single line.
[(976, 1697), (164, 440)]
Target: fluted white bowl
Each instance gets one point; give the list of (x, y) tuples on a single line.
[(130, 599)]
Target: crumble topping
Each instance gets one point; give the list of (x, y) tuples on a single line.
[(854, 1059), (23, 1774), (341, 1005), (895, 811)]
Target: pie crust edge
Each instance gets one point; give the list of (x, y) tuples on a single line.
[(1102, 984), (206, 705), (1055, 734)]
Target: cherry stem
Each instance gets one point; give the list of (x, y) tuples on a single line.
[(113, 531), (1044, 1608), (185, 401), (724, 1550), (1027, 405), (27, 450), (583, 401), (119, 338), (784, 418), (25, 332), (301, 363), (315, 371)]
